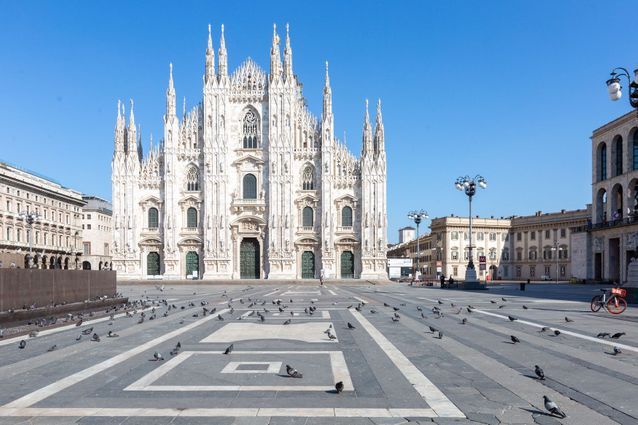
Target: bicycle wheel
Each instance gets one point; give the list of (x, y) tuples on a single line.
[(596, 303), (616, 305)]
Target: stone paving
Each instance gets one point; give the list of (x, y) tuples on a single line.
[(393, 371)]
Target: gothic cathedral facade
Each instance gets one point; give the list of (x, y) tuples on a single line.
[(249, 184)]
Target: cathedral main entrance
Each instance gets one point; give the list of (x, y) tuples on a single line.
[(153, 264), (347, 265), (308, 265), (249, 258), (192, 263)]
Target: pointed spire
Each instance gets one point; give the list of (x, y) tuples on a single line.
[(327, 96), (275, 55), (119, 129), (210, 59), (288, 57), (184, 107), (119, 105), (140, 151), (367, 147), (223, 57), (170, 94), (131, 122), (379, 137)]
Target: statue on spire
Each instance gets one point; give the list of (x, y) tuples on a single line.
[(223, 57)]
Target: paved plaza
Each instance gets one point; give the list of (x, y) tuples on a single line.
[(393, 371)]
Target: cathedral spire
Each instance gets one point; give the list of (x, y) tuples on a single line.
[(223, 57), (327, 96), (275, 55), (210, 59), (288, 57), (131, 135), (170, 95), (379, 142), (367, 148), (120, 125), (131, 122)]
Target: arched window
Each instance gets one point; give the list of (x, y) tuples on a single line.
[(192, 179), (308, 179), (191, 218), (153, 220), (250, 186), (250, 130), (634, 148), (617, 146), (308, 217), (346, 216), (602, 162)]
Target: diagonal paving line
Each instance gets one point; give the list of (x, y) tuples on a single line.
[(47, 391)]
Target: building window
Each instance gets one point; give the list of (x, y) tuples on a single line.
[(532, 271), (250, 130), (519, 255), (153, 218), (455, 271), (87, 248), (547, 233), (505, 237), (518, 271), (88, 216), (505, 254), (532, 254), (519, 236), (562, 271), (563, 233), (480, 236), (455, 255), (492, 236), (19, 235), (308, 217), (492, 254), (250, 186), (617, 146), (532, 235), (466, 255), (602, 162), (346, 216), (192, 180), (88, 227), (454, 236), (308, 180), (191, 218), (505, 271)]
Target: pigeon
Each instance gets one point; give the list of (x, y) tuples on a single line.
[(452, 304), (351, 326), (292, 372), (617, 351), (544, 329), (422, 315), (524, 307), (469, 310), (358, 308), (262, 318), (373, 311), (440, 335), (79, 337), (287, 322), (556, 332), (418, 308), (229, 349), (440, 302), (568, 320), (397, 315), (395, 319), (95, 338), (386, 305), (331, 336), (514, 339), (501, 306), (396, 308), (433, 329), (602, 334), (617, 335), (220, 317), (158, 356), (553, 407), (339, 387), (469, 306), (503, 298), (512, 318), (112, 334), (493, 302), (22, 344), (464, 321), (53, 347), (87, 331), (539, 372)]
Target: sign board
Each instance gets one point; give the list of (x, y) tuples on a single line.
[(482, 259), (439, 263), (439, 269), (399, 262), (394, 272)]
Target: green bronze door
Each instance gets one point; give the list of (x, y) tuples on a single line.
[(249, 259), (308, 265), (153, 264), (192, 263), (347, 265)]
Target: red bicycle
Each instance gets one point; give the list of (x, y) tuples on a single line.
[(615, 303)]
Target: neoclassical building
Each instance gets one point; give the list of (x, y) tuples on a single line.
[(249, 184)]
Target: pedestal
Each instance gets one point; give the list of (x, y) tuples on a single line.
[(471, 282)]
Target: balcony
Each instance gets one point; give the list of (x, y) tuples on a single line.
[(608, 224), (345, 229), (241, 204)]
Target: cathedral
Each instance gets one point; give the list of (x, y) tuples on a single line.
[(249, 184)]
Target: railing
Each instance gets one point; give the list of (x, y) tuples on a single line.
[(344, 228), (627, 221)]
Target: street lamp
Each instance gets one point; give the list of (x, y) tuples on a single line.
[(557, 249), (30, 218), (468, 185), (615, 89), (417, 217)]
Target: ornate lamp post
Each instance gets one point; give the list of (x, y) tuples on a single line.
[(30, 218), (468, 185), (417, 217), (615, 89)]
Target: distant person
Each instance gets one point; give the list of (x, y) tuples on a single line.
[(442, 280), (451, 281), (322, 276)]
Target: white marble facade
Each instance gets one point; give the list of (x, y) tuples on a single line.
[(249, 184)]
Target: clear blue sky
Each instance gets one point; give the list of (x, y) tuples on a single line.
[(508, 89)]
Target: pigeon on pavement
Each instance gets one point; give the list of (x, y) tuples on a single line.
[(229, 349), (287, 322), (617, 335), (556, 332), (95, 338), (617, 351), (544, 329), (539, 372), (292, 372), (339, 387), (158, 356), (433, 329), (602, 334), (553, 408), (53, 347), (568, 320), (514, 339), (351, 326), (512, 318), (464, 321), (524, 307), (22, 344)]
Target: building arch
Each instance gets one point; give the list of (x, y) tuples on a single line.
[(308, 265), (250, 125), (617, 156), (347, 265), (601, 161), (86, 265), (308, 177), (633, 149), (192, 179), (632, 198), (617, 212), (153, 263), (601, 206)]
